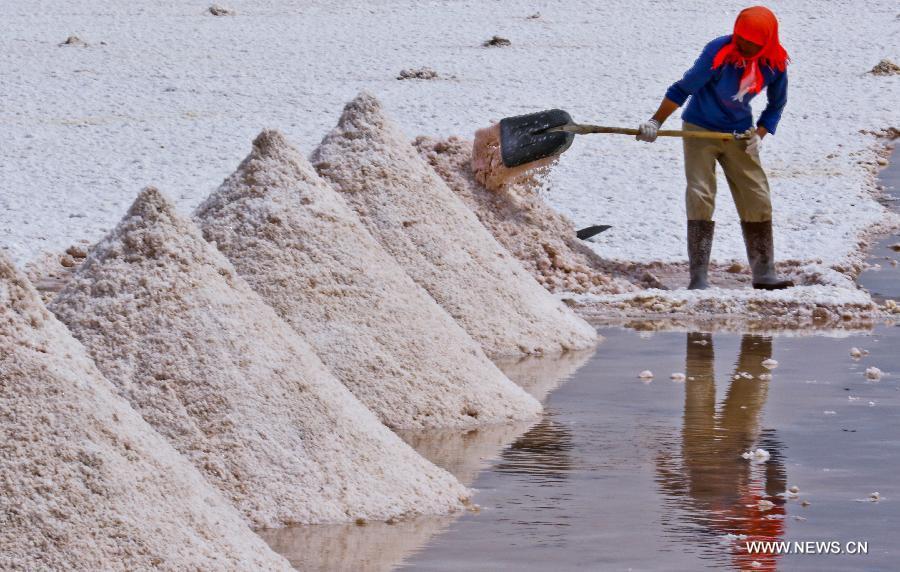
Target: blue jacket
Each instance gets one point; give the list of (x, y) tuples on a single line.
[(711, 92)]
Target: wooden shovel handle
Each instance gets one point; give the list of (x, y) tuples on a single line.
[(585, 129)]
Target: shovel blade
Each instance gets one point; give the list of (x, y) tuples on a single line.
[(524, 139)]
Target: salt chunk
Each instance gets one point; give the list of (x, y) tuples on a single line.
[(875, 497), (830, 412), (852, 398), (765, 377), (765, 505), (874, 373), (856, 353), (757, 456), (646, 374), (770, 363), (677, 377), (794, 489)]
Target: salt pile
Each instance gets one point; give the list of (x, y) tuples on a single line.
[(86, 483), (294, 239), (542, 239), (212, 367), (439, 241)]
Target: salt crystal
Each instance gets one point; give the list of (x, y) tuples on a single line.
[(646, 374), (677, 377), (852, 398), (856, 353), (765, 505), (756, 456), (770, 363), (794, 489), (765, 377), (830, 412), (874, 373), (875, 497)]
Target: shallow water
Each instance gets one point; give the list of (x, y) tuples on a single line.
[(627, 474), (622, 473), (884, 282)]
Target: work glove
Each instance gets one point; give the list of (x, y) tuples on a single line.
[(647, 131), (754, 144)]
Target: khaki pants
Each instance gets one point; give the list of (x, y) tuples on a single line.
[(744, 173)]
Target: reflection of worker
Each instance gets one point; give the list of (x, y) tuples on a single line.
[(730, 71), (722, 490)]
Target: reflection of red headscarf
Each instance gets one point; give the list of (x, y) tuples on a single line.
[(758, 25)]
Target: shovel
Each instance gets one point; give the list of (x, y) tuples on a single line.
[(527, 138)]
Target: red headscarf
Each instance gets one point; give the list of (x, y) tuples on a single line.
[(758, 25)]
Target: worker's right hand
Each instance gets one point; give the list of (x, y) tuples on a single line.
[(647, 131)]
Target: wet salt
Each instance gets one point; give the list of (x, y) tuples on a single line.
[(646, 374), (756, 456), (874, 373), (770, 363), (677, 377)]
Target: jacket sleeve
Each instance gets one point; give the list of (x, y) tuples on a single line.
[(776, 93), (695, 78)]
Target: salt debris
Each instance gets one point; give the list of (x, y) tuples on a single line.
[(770, 363), (874, 373), (86, 483), (765, 377), (542, 239), (210, 366), (756, 456), (439, 241), (764, 505), (298, 244), (856, 353), (646, 374), (677, 377)]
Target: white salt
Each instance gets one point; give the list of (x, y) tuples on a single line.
[(765, 505), (86, 483), (677, 377), (646, 374), (765, 377), (756, 456), (293, 238), (874, 373), (856, 353), (543, 240), (233, 387), (770, 363), (439, 241)]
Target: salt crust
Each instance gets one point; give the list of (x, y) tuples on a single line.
[(298, 244), (439, 241), (209, 365), (85, 483)]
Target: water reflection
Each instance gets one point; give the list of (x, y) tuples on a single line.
[(714, 491), (544, 453)]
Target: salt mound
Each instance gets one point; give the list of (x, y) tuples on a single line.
[(439, 241), (542, 239), (86, 483), (234, 388), (292, 237)]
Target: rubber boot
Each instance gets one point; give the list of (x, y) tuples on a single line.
[(699, 242), (760, 254)]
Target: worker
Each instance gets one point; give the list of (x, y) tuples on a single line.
[(730, 71)]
